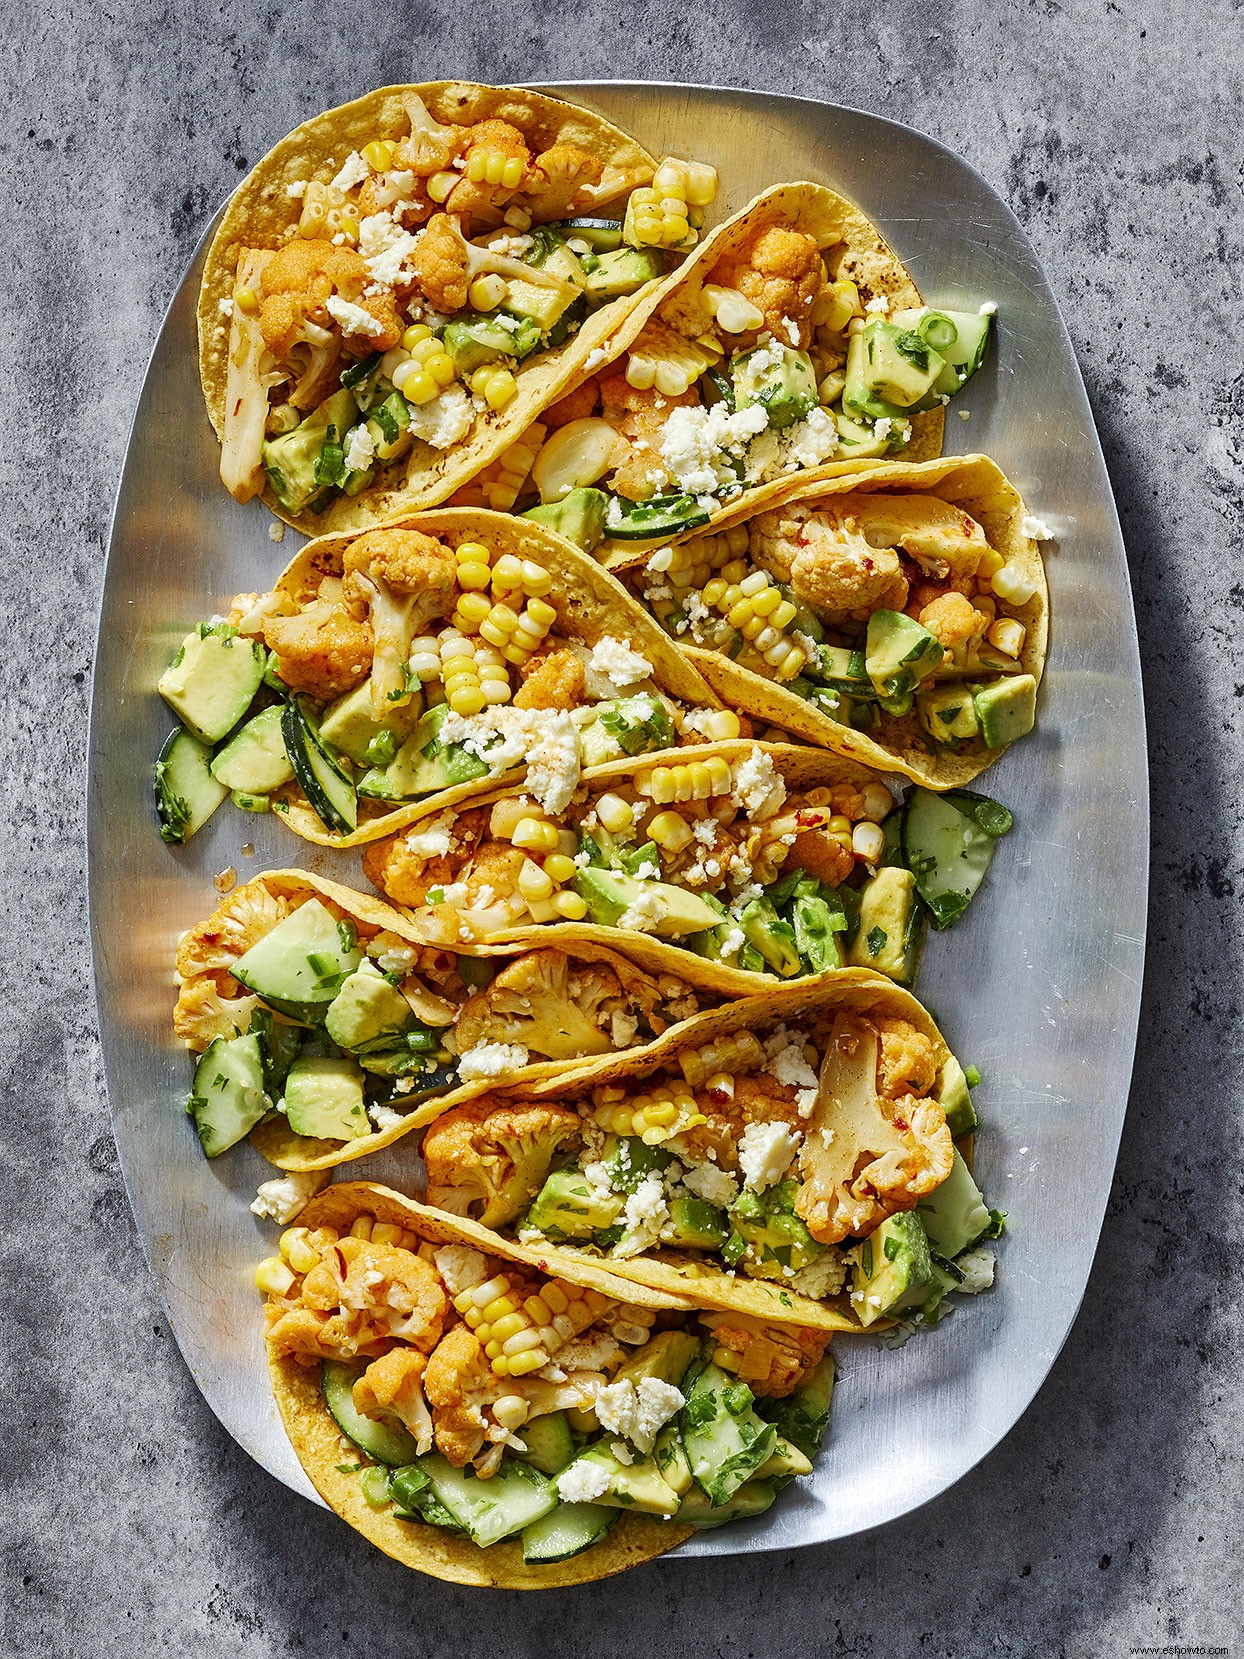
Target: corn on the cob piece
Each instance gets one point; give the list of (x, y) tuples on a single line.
[(654, 1116), (521, 1332), (735, 1052), (668, 361), (486, 165), (698, 781)]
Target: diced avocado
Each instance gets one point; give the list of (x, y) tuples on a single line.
[(228, 1098), (954, 1214), (549, 252), (948, 713), (858, 441), (536, 303), (306, 466), (670, 1457), (579, 516), (766, 1224), (803, 1417), (816, 928), (844, 670), (210, 682), (665, 1356), (725, 1441), (474, 341), (748, 1501), (637, 724), (568, 1206), (368, 1012), (767, 933), (778, 378), (695, 1225), (787, 1461), (630, 1160), (548, 1441), (324, 1098), (622, 271), (955, 1099), (899, 653), (889, 370), (423, 764), (959, 336), (657, 907), (1006, 709), (639, 1485), (254, 760), (301, 965), (890, 932), (891, 1269), (352, 727)]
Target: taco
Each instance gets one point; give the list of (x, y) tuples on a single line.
[(398, 288), (412, 665), (765, 862), (327, 1029), (786, 1157), (484, 1418), (899, 617), (791, 339)]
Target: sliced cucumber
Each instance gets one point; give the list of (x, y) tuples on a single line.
[(947, 848), (411, 1492), (186, 793), (601, 234), (389, 1443), (330, 791), (490, 1510), (664, 515), (228, 1098), (567, 1530), (254, 760), (725, 1441), (210, 682), (301, 965), (549, 1445)]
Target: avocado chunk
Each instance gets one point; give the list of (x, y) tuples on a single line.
[(388, 425), (816, 927), (845, 671), (474, 341), (306, 467), (210, 682), (948, 713), (228, 1098), (890, 934), (665, 1356), (725, 1441), (368, 1012), (639, 1485), (751, 1499), (637, 723), (787, 1461), (670, 1457), (781, 380), (352, 727), (622, 271), (891, 1269), (859, 441), (630, 1161), (954, 1214), (889, 370), (324, 1098), (579, 516), (899, 653), (802, 1417), (254, 760), (649, 906), (767, 933), (1006, 709), (695, 1225), (423, 764), (766, 1226), (955, 1099), (569, 1207), (300, 966)]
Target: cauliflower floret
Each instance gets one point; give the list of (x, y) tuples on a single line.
[(459, 1385), (780, 271), (203, 1014), (822, 855), (406, 579), (213, 945), (406, 874), (556, 681), (477, 198), (490, 1159), (761, 1098), (882, 1155), (536, 1003), (940, 537), (639, 417), (294, 316), (357, 1299), (322, 650), (391, 1387), (773, 1360), (907, 1062), (954, 622), (558, 183), (828, 561), (441, 264)]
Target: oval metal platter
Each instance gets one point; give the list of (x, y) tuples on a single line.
[(1039, 986)]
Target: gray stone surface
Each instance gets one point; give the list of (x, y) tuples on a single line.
[(1108, 1520)]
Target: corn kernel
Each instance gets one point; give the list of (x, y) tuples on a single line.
[(442, 369), (784, 614), (541, 613), (507, 1326), (361, 1227), (1007, 635), (614, 813), (298, 1250), (571, 907), (535, 835), (719, 725), (415, 335), (386, 1232), (416, 386), (560, 868), (246, 300), (868, 842), (507, 573), (714, 590), (482, 1295), (991, 562), (467, 700), (273, 1277), (533, 883), (500, 390), (518, 1365), (670, 832), (423, 351), (510, 1411), (487, 292), (878, 801), (441, 184), (1013, 586)]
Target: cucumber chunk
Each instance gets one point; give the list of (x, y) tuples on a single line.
[(489, 1510), (329, 790), (725, 1441), (665, 515), (254, 760), (210, 682), (228, 1098), (387, 1442), (413, 1498), (549, 1445), (567, 1530), (948, 847), (186, 793), (301, 965)]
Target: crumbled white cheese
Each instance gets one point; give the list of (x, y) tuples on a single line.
[(546, 740), (765, 1153), (614, 515), (644, 913), (989, 309), (732, 943), (225, 307), (385, 248), (758, 788), (353, 171), (638, 1412), (434, 840), (460, 1267), (360, 448), (622, 1451), (1036, 529), (965, 414), (297, 190), (614, 659), (823, 1277), (281, 1200), (593, 1351), (713, 1185), (698, 445), (977, 1267), (384, 1117), (491, 1060), (583, 1482), (878, 305), (785, 1060), (353, 318), (392, 955), (455, 893), (276, 532), (594, 359), (444, 421), (792, 331), (882, 427), (622, 1029), (645, 1214)]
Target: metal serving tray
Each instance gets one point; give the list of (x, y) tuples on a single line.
[(1039, 986)]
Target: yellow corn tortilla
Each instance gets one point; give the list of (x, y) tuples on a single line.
[(972, 482), (320, 1447), (589, 603), (687, 1273), (260, 213)]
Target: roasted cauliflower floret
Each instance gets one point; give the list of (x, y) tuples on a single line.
[(822, 855), (760, 1098), (357, 1299), (882, 1155), (392, 1387), (828, 561), (489, 1159), (907, 1062), (555, 682), (406, 579), (202, 1014), (213, 945), (442, 264), (559, 182), (773, 1360), (460, 1385), (295, 316), (780, 272), (954, 622), (322, 650), (406, 875), (639, 417), (534, 1002), (940, 537), (480, 200)]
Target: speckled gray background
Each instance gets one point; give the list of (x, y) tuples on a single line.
[(1108, 1521)]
